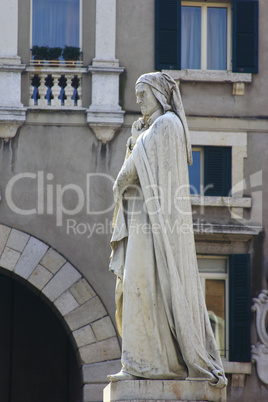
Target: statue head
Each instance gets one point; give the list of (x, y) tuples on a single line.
[(166, 92), (146, 99), (161, 86)]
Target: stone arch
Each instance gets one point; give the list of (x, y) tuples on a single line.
[(83, 314)]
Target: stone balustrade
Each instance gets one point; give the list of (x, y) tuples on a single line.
[(55, 86)]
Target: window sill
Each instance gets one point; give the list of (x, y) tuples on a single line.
[(230, 202), (236, 367), (235, 204), (209, 76), (237, 79)]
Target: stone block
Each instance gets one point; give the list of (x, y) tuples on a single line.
[(32, 254), (40, 277), (53, 261), (63, 279), (167, 390), (4, 233), (9, 258), (93, 392), (17, 240), (85, 314), (103, 328), (97, 372), (84, 336), (82, 291), (66, 303), (101, 351)]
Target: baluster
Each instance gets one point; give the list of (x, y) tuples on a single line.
[(49, 82), (79, 90), (69, 91), (56, 90), (75, 85), (42, 91), (35, 84), (31, 100)]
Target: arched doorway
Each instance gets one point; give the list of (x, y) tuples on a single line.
[(37, 362), (53, 278)]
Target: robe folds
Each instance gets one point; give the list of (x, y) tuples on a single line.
[(161, 313)]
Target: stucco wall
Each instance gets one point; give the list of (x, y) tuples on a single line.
[(70, 153)]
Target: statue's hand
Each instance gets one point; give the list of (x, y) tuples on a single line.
[(138, 127)]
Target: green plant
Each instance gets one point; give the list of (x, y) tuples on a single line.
[(40, 52), (71, 53), (54, 53)]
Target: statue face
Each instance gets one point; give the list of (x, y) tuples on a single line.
[(146, 99)]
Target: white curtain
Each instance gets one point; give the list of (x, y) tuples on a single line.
[(56, 23), (191, 37), (216, 38)]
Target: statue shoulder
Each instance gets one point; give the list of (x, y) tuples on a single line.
[(169, 119)]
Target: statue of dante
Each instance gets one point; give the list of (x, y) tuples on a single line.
[(161, 313)]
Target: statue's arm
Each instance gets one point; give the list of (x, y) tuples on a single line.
[(128, 175)]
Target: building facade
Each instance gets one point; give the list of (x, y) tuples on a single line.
[(63, 131)]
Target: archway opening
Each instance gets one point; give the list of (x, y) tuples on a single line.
[(37, 362)]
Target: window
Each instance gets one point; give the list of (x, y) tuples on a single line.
[(226, 285), (205, 36), (201, 35), (214, 279), (55, 23), (210, 173)]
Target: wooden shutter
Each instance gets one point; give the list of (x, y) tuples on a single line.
[(167, 34), (245, 36), (239, 307), (217, 171)]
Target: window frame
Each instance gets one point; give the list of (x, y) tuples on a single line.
[(80, 24), (219, 276), (223, 180), (168, 45), (204, 6), (202, 169)]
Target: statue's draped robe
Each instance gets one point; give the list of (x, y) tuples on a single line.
[(161, 311)]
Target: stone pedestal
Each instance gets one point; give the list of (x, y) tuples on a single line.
[(163, 390)]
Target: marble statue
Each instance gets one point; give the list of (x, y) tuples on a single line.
[(160, 308)]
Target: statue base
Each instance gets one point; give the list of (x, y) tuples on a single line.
[(163, 390)]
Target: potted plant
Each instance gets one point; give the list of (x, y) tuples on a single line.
[(71, 53), (40, 52), (53, 55)]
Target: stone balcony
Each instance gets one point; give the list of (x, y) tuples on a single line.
[(55, 84)]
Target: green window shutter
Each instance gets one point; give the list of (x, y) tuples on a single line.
[(245, 36), (217, 175), (239, 307), (167, 34)]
